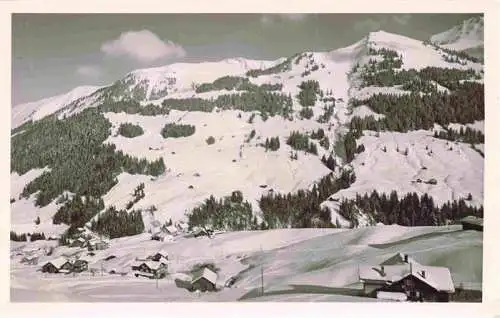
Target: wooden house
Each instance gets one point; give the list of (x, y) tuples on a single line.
[(80, 265), (204, 280), (417, 282), (58, 265), (97, 245), (150, 269), (472, 223)]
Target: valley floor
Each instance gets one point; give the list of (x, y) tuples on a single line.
[(298, 265)]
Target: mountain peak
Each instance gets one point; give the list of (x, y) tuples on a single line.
[(466, 35)]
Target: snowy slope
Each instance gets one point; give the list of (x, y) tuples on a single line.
[(457, 168), (467, 35), (39, 109), (186, 158), (295, 259)]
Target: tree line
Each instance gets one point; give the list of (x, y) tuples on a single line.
[(228, 213), (235, 82), (174, 130), (302, 209), (118, 223), (408, 210)]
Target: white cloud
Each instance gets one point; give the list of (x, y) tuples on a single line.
[(88, 70), (402, 19), (143, 46), (268, 19)]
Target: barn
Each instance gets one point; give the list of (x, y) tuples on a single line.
[(417, 282), (204, 280)]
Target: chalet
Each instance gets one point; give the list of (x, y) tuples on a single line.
[(80, 265), (159, 257), (417, 282), (472, 223), (58, 265), (79, 242), (150, 269), (204, 280), (97, 245)]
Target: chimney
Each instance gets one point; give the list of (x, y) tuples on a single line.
[(406, 258), (382, 271), (423, 273)]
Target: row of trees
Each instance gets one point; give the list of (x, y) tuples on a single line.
[(302, 209), (408, 210), (264, 101), (413, 111), (299, 141), (131, 106), (228, 213), (272, 143), (118, 223), (130, 130), (174, 130), (237, 83), (138, 195), (467, 135)]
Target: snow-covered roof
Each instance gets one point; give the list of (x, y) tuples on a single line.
[(171, 229), (154, 265), (58, 262), (207, 274), (437, 277)]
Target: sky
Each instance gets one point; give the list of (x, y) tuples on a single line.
[(54, 53)]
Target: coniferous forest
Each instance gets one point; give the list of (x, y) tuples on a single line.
[(114, 223), (407, 210), (74, 152)]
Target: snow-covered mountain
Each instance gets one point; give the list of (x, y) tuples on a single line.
[(144, 85), (467, 35), (47, 106), (235, 163), (385, 110)]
